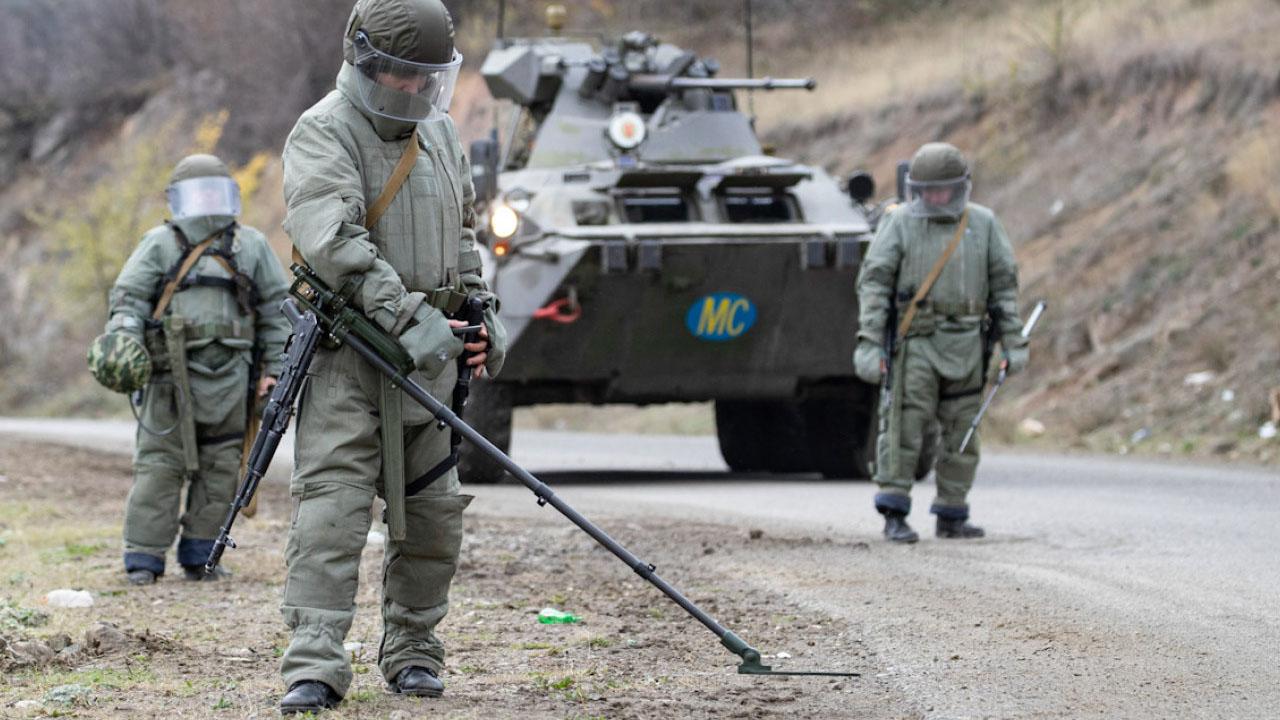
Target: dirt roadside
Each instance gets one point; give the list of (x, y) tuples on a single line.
[(180, 649)]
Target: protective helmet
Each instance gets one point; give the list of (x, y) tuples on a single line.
[(938, 181), (201, 185), (119, 362), (404, 52)]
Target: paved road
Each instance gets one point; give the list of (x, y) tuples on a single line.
[(1106, 588)]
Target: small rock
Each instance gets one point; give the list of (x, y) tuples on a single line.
[(5, 479), (31, 652), (1222, 447), (1056, 208), (1139, 435), (399, 715), (67, 598), (1197, 379), (353, 648), (783, 655), (104, 637), (1267, 431), (28, 705), (59, 642), (375, 538), (755, 533), (1228, 396), (67, 694), (1031, 428)]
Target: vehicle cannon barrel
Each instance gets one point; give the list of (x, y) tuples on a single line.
[(660, 83)]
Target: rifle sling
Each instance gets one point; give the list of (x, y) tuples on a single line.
[(910, 315), (189, 262)]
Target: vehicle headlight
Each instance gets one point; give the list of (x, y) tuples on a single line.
[(504, 222)]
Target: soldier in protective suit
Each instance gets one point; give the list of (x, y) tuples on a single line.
[(941, 269), (379, 200), (195, 330)]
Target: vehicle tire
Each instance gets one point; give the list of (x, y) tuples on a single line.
[(742, 429), (489, 412), (787, 449), (928, 451), (840, 430), (762, 436)]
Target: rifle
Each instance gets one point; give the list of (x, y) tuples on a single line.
[(472, 313), (275, 420), (317, 311), (1004, 375)]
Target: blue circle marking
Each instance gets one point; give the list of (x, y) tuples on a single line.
[(720, 316)]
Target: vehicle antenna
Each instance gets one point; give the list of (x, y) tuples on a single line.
[(751, 95)]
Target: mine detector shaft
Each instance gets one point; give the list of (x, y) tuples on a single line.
[(320, 316), (648, 249)]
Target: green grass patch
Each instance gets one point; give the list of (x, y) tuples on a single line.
[(71, 552), (107, 678), (361, 696), (14, 616), (534, 646)]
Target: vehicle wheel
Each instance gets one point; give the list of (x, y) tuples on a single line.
[(928, 451), (741, 427), (840, 429), (489, 412), (762, 435), (787, 449)]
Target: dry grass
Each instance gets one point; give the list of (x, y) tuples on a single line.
[(1012, 44)]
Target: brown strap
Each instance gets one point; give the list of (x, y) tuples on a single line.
[(932, 278), (172, 286), (398, 176), (394, 183)]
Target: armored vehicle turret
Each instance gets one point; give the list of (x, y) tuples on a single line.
[(647, 249)]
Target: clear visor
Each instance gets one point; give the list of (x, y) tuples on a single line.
[(198, 197), (938, 199), (403, 90)]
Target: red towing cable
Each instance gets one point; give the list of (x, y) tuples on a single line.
[(565, 311)]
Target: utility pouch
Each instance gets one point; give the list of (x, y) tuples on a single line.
[(175, 342)]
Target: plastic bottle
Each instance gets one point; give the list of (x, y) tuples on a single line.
[(552, 616)]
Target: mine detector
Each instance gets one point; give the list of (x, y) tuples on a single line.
[(647, 249)]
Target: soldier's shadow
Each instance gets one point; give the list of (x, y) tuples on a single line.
[(618, 477)]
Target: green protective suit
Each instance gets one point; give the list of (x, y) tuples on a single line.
[(938, 371), (207, 323), (337, 161)]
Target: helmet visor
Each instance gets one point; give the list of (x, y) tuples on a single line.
[(403, 90), (938, 198), (198, 197)]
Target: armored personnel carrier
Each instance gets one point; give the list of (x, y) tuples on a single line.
[(647, 249)]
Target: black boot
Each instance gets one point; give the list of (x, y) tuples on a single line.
[(197, 573), (897, 530), (141, 577), (308, 696), (418, 681), (958, 528)]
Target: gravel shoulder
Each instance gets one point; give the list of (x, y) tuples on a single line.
[(211, 650)]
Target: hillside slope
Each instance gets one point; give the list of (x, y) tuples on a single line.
[(1137, 167)]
